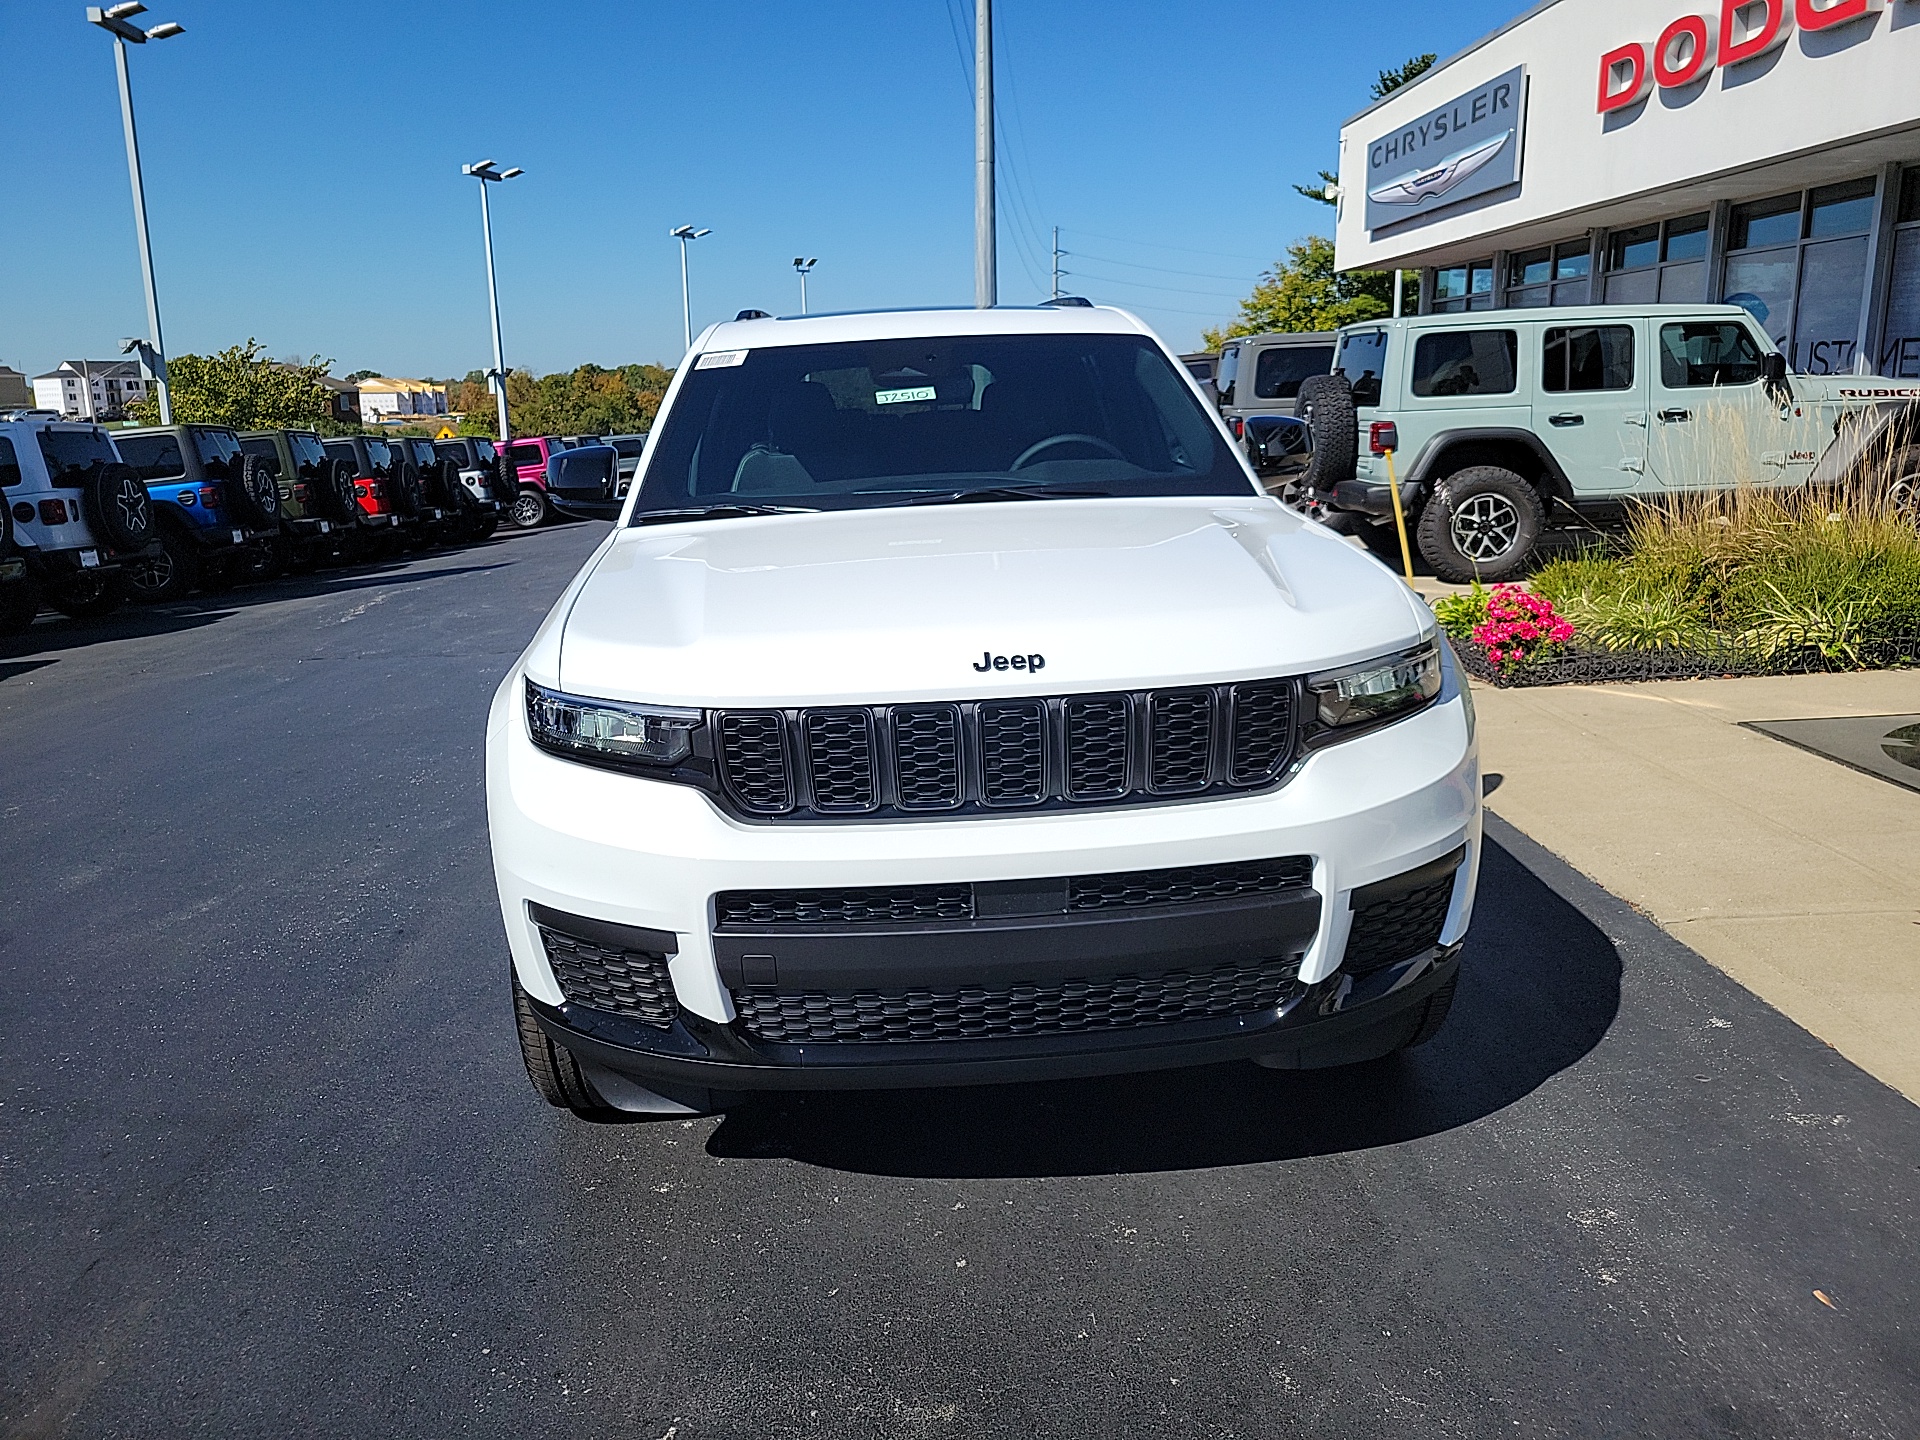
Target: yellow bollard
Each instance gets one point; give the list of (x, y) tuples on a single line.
[(1399, 518)]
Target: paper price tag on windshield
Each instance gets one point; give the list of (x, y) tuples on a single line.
[(903, 397)]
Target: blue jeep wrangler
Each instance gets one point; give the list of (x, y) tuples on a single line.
[(216, 508)]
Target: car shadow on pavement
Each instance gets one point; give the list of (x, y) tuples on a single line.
[(1540, 986), (133, 621)]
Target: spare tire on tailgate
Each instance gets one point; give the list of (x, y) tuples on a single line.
[(506, 479), (338, 498), (253, 491), (117, 507), (1326, 404)]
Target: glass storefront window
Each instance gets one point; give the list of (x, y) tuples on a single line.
[(1530, 267), (1841, 210), (1899, 356), (1826, 324), (1633, 249), (1762, 282), (1572, 262), (1463, 287), (1765, 222), (1910, 197), (1686, 238)]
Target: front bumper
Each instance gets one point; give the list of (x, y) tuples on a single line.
[(650, 857)]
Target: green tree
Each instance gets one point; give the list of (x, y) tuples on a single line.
[(1327, 192), (241, 387), (588, 400), (1304, 293)]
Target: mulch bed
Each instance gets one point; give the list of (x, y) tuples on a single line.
[(1597, 667)]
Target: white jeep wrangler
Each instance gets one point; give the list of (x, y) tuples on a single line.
[(77, 516), (951, 705)]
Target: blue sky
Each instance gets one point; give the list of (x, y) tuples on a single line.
[(302, 164)]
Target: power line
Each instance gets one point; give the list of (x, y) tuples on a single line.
[(1145, 285), (1163, 269), (1156, 245)]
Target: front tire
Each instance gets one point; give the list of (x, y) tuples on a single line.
[(1481, 523), (555, 1074), (530, 508)]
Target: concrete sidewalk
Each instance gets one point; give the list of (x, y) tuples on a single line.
[(1797, 876)]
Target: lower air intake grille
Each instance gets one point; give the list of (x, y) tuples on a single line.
[(843, 907), (1398, 927), (632, 983), (1136, 888), (1116, 1002)]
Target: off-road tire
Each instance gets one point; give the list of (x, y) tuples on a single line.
[(467, 521), (506, 481), (19, 603), (339, 501), (89, 594), (404, 488), (1432, 1016), (531, 509), (555, 1074), (253, 491), (1903, 482), (153, 579), (1481, 523), (1325, 402), (118, 509)]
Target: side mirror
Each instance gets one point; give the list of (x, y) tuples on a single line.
[(1279, 445), (1774, 367), (580, 481)]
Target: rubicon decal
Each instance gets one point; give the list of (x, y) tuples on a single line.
[(1449, 174), (1693, 46)]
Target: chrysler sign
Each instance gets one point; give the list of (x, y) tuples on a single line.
[(1466, 148)]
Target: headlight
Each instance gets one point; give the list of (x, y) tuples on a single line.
[(1357, 698), (610, 732)]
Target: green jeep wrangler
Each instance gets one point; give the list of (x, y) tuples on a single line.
[(1505, 423)]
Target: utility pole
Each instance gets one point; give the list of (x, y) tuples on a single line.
[(803, 267), (1057, 252), (486, 174), (114, 20), (986, 264)]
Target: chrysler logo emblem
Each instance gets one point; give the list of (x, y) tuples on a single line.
[(1449, 174)]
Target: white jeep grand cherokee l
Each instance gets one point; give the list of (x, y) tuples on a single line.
[(950, 705)]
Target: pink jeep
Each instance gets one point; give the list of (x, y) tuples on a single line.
[(528, 455)]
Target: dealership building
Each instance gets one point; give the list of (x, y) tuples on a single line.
[(1765, 152)]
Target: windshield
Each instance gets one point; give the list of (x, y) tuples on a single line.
[(72, 454), (379, 456), (881, 421), (1362, 358)]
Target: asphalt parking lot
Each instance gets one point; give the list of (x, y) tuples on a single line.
[(269, 1164)]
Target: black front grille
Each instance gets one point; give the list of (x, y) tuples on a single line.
[(1124, 890), (1114, 1002), (753, 753), (633, 983), (979, 757), (843, 907), (1397, 927), (1186, 886), (840, 760)]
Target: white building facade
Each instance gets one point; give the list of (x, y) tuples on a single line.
[(1765, 152), (90, 389), (384, 397)]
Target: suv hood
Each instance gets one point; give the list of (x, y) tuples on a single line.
[(870, 606)]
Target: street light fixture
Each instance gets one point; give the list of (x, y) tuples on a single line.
[(684, 233), (114, 20), (803, 268), (485, 172)]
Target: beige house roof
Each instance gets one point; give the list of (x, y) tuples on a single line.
[(387, 385)]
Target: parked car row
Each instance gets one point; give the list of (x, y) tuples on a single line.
[(93, 517)]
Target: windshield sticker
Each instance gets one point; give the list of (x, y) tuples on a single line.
[(903, 397), (720, 360)]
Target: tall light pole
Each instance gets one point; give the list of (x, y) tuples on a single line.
[(803, 268), (485, 174), (684, 233), (986, 264), (113, 20)]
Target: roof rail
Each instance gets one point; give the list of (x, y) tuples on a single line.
[(753, 315)]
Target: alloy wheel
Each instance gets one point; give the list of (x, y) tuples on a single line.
[(1484, 527)]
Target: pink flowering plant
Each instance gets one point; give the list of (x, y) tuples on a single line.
[(1520, 627)]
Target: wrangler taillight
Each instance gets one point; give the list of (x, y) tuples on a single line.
[(53, 512), (210, 496), (1239, 427), (1382, 436)]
